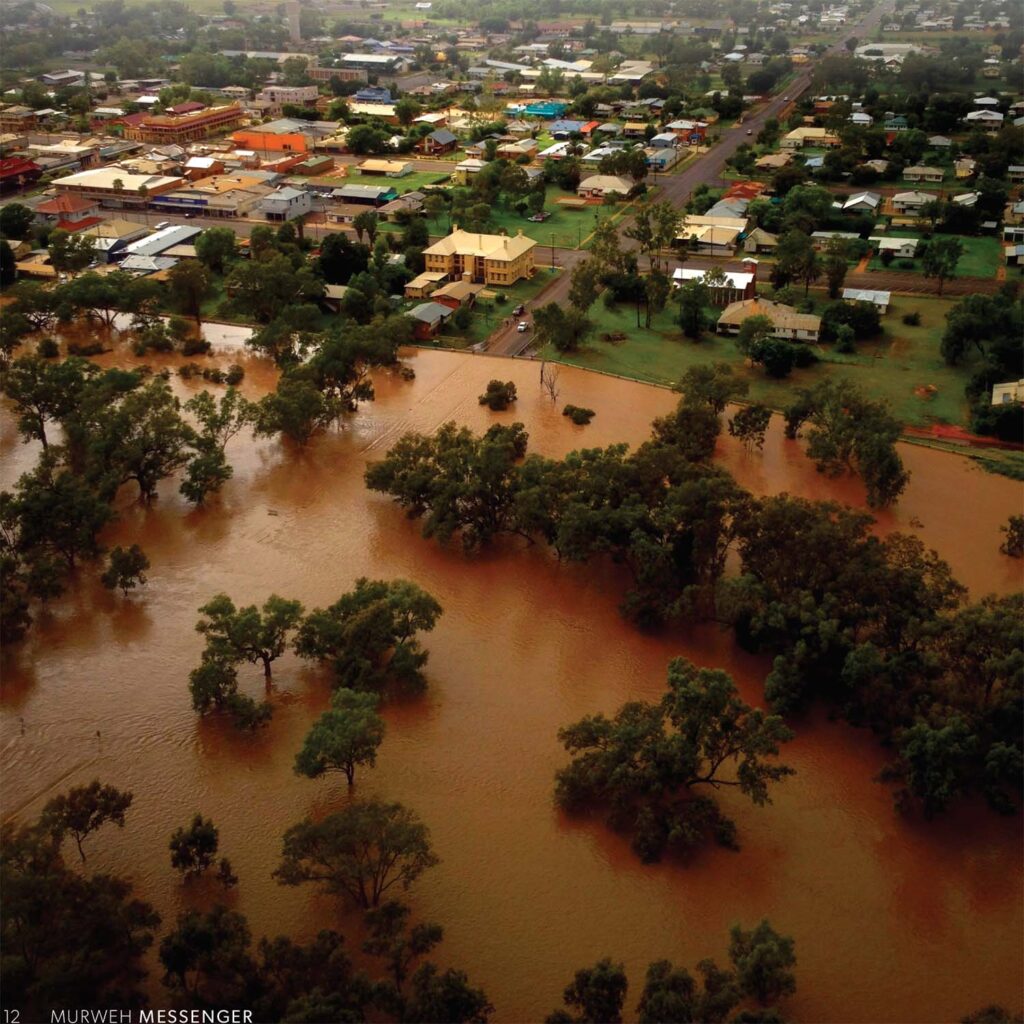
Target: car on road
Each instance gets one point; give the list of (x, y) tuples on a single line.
[(163, 224), (523, 327), (750, 131)]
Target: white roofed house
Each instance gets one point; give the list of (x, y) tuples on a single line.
[(911, 202), (734, 286), (597, 186), (903, 248), (862, 202), (878, 299), (921, 173), (988, 120)]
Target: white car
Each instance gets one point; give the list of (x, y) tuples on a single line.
[(523, 327), (163, 224)]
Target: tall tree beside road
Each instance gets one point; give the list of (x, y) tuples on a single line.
[(940, 258)]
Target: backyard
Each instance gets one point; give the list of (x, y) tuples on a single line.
[(903, 366), (982, 256)]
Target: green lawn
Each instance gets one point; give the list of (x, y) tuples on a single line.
[(982, 257), (903, 366), (414, 182)]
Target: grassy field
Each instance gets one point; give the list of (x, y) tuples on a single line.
[(982, 257), (903, 366), (413, 182)]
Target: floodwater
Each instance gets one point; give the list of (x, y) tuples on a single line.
[(894, 919)]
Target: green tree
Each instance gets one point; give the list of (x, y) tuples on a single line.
[(249, 634), (649, 776), (188, 283), (763, 960), (459, 482), (68, 938), (41, 391), (83, 810), (126, 569), (749, 425), (362, 851), (366, 223), (693, 297), (370, 634), (346, 735), (753, 331), (193, 849), (16, 221), (713, 385), (70, 253), (671, 995), (835, 266), (215, 248), (1013, 545), (297, 410), (596, 994), (563, 328), (206, 958), (940, 258)]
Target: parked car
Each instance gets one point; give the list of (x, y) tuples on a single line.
[(163, 224), (539, 218), (523, 327), (519, 310)]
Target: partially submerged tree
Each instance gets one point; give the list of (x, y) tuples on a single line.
[(362, 852), (369, 634), (648, 764), (83, 810), (343, 737)]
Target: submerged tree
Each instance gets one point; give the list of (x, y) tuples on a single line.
[(647, 763)]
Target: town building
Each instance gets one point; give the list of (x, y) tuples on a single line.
[(187, 126), (115, 187), (286, 203), (491, 259), (735, 285)]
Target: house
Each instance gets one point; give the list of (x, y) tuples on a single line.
[(157, 243), (760, 241), (145, 266), (895, 125), (18, 119), (597, 186), (344, 213), (988, 120), (457, 293), (861, 119), (773, 161), (693, 133), (880, 300), (428, 319), (965, 167), (440, 141), (423, 284), (967, 199), (1015, 172), (902, 248), (939, 142), (712, 234), (387, 168), (862, 202), (921, 173), (287, 203), (879, 166), (635, 129), (111, 237), (1005, 394), (786, 321), (911, 202), (367, 195), (663, 139), (411, 202), (70, 212), (808, 136), (661, 159), (491, 259), (736, 286), (465, 170), (515, 150)]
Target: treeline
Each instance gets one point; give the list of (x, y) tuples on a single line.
[(876, 627), (123, 427), (75, 938)]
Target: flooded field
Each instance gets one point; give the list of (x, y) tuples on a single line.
[(894, 920)]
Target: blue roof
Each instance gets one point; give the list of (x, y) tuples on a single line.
[(549, 108), (567, 126)]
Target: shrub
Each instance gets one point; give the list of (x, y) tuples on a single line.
[(580, 416), (195, 346), (91, 348), (47, 349), (499, 395), (906, 264), (912, 319), (234, 375)]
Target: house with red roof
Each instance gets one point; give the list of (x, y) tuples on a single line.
[(16, 173), (70, 212)]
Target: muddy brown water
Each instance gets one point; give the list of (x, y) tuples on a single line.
[(894, 920)]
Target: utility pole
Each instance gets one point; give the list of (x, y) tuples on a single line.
[(552, 250)]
